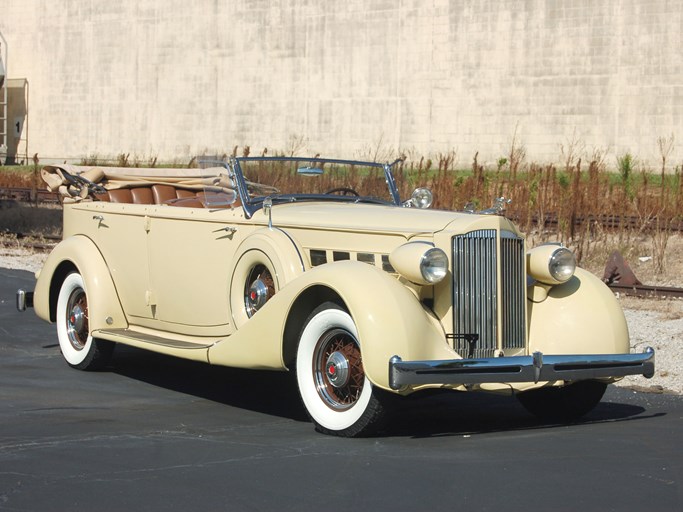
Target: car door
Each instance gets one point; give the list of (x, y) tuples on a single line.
[(190, 250)]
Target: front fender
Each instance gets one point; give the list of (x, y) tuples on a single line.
[(79, 253), (581, 316), (272, 248), (389, 318)]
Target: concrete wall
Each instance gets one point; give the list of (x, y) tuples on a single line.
[(171, 78)]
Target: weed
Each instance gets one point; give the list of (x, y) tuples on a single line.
[(626, 165)]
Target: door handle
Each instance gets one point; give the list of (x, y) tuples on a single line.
[(229, 229)]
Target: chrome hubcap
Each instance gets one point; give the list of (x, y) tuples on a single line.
[(77, 319), (337, 369), (258, 295), (259, 287)]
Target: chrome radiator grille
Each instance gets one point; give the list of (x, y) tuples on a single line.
[(488, 311)]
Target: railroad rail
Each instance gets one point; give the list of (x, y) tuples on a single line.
[(605, 221), (647, 291), (28, 195)]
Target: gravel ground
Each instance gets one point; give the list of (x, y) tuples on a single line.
[(656, 323), (659, 324)]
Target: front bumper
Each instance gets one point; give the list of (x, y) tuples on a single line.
[(534, 368)]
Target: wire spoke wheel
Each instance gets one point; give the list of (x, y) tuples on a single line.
[(337, 394), (338, 369)]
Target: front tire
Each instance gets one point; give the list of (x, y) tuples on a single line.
[(79, 348), (565, 403), (337, 395)]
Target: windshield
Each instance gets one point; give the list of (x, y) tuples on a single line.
[(293, 179)]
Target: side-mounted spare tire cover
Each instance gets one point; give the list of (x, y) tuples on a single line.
[(265, 261)]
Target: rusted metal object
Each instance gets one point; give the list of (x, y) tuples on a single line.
[(617, 271), (621, 279)]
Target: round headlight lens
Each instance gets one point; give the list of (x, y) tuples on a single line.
[(434, 265), (422, 198), (562, 264)]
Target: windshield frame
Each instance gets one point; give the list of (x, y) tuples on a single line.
[(251, 205)]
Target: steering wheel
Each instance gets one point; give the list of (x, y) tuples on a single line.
[(345, 191)]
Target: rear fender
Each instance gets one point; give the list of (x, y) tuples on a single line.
[(79, 253)]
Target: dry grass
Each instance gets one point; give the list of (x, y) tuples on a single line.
[(21, 177)]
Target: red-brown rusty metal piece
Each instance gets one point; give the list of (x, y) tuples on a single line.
[(618, 272)]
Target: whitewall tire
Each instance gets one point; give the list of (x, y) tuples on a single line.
[(337, 395), (79, 348)]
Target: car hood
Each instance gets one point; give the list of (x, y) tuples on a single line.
[(362, 218)]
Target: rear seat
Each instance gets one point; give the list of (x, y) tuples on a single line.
[(170, 195)]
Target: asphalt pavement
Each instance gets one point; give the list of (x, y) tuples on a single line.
[(157, 433)]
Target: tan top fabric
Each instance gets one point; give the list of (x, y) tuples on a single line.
[(214, 179)]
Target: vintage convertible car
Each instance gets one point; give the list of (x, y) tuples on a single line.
[(320, 268)]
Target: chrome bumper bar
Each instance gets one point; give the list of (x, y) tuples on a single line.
[(24, 300), (534, 368)]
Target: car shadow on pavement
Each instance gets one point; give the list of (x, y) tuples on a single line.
[(425, 414), (449, 413), (269, 392)]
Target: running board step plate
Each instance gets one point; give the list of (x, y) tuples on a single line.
[(118, 334)]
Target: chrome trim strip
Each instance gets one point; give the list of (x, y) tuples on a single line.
[(534, 368)]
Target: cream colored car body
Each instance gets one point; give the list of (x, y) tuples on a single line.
[(174, 280)]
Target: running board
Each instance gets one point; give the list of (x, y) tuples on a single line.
[(128, 335)]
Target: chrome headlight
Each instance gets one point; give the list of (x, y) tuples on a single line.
[(551, 264), (562, 264), (420, 262), (434, 265)]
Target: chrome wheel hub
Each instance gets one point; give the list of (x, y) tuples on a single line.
[(337, 369), (258, 295), (76, 318), (259, 287)]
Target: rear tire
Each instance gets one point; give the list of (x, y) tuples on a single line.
[(79, 348), (565, 403), (337, 395)]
